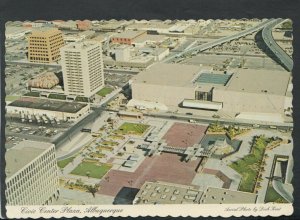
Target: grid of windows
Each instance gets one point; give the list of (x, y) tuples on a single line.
[(36, 183), (45, 49), (82, 68)]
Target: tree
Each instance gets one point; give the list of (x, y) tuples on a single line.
[(88, 174), (93, 189), (79, 182)]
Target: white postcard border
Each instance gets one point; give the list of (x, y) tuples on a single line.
[(183, 210)]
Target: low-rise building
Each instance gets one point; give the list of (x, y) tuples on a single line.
[(130, 115), (151, 26), (242, 91), (71, 37), (84, 25), (127, 37), (122, 53), (157, 53), (167, 193), (226, 176), (31, 174), (61, 110), (224, 196), (149, 39)]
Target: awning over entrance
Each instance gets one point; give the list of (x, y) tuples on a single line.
[(190, 103)]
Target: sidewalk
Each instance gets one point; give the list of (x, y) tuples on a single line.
[(68, 196)]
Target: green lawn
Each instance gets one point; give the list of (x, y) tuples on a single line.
[(94, 170), (249, 166), (34, 94), (11, 97), (65, 162), (81, 99), (273, 196), (132, 128), (106, 90), (57, 96)]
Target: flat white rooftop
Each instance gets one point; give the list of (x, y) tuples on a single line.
[(259, 81), (84, 45), (168, 74), (225, 196), (22, 154), (129, 34)]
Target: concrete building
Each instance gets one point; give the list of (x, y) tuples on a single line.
[(122, 53), (170, 28), (44, 45), (31, 174), (167, 193), (84, 25), (262, 94), (127, 37), (227, 177), (67, 25), (157, 27), (39, 107), (71, 37), (149, 39), (168, 84), (224, 196), (130, 115), (157, 53), (82, 67)]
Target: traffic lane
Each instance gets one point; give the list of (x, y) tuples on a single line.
[(220, 120), (222, 40), (274, 47)]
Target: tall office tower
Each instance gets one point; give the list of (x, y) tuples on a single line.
[(44, 45), (31, 174), (82, 67)]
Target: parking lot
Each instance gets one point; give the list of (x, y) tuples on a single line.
[(15, 49), (17, 131), (117, 79), (232, 61), (18, 75)]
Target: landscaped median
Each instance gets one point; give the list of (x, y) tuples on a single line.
[(250, 165), (231, 131), (91, 169)]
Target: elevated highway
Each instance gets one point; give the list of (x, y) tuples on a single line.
[(284, 59), (222, 40)]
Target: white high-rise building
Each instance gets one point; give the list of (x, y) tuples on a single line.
[(82, 67), (31, 174)]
